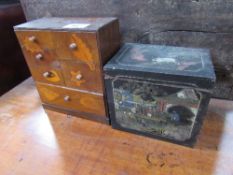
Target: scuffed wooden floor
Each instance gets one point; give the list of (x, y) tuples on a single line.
[(38, 142)]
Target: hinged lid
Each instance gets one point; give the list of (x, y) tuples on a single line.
[(166, 62)]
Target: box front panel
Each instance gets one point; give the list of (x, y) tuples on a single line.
[(38, 49), (81, 46), (78, 75), (159, 110), (72, 99)]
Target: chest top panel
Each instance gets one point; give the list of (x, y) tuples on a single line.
[(72, 24), (163, 60)]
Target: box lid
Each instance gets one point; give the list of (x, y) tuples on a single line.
[(65, 23), (167, 62)]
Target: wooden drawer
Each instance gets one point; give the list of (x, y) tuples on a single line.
[(39, 53), (72, 99), (78, 74), (77, 46), (60, 45), (37, 42), (47, 74)]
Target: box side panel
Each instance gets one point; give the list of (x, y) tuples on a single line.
[(109, 40)]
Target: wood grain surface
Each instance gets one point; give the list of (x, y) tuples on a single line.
[(43, 44), (71, 57), (86, 47), (35, 141), (76, 100), (64, 63), (109, 40), (90, 80)]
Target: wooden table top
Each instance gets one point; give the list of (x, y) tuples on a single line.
[(38, 142)]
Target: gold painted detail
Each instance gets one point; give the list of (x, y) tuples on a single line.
[(89, 102), (48, 94), (54, 76), (74, 78)]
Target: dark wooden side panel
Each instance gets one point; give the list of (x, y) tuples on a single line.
[(109, 40)]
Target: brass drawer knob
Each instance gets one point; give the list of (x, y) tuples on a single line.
[(39, 56), (79, 77), (32, 38), (48, 74), (73, 46), (67, 98)]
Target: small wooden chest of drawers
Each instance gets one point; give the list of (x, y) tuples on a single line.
[(65, 57)]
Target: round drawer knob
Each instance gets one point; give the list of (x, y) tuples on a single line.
[(32, 38), (39, 56), (73, 46), (47, 74), (67, 98), (79, 77)]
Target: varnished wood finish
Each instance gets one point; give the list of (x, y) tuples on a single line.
[(71, 99), (86, 47), (90, 80), (35, 141), (43, 44), (88, 116), (109, 40), (56, 50), (58, 53)]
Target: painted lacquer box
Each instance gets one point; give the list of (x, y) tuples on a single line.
[(159, 91)]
